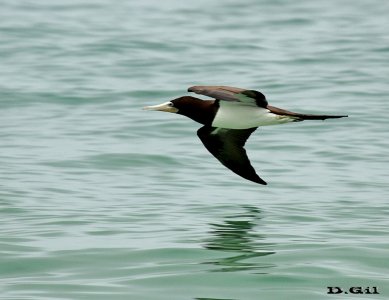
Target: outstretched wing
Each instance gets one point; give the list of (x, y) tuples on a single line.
[(227, 93), (227, 145)]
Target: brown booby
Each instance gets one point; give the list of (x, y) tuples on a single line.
[(230, 119)]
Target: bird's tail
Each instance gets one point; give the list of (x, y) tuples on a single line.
[(302, 117)]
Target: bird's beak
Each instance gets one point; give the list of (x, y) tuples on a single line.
[(167, 106)]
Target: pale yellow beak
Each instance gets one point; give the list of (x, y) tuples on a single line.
[(167, 106)]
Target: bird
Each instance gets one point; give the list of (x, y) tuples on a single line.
[(229, 119)]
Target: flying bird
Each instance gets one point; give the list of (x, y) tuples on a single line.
[(229, 120)]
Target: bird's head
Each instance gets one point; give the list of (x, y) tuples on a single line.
[(198, 110), (166, 106), (180, 105)]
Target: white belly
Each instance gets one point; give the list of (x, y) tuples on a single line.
[(234, 115)]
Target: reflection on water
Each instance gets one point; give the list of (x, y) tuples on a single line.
[(238, 233)]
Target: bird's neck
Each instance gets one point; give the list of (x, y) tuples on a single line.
[(201, 111)]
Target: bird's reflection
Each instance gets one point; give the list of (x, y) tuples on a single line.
[(237, 233)]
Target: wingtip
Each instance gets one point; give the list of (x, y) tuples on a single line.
[(258, 180), (191, 89)]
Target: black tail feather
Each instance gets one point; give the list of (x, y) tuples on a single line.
[(302, 117), (317, 117)]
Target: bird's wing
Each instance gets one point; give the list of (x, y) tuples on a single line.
[(227, 93), (227, 145)]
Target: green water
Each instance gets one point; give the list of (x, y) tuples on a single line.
[(101, 200)]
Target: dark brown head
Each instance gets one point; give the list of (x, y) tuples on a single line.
[(202, 111)]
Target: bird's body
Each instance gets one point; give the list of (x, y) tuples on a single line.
[(229, 120), (233, 115)]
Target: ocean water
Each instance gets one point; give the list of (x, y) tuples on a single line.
[(102, 200)]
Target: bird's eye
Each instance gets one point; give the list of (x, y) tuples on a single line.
[(170, 104)]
